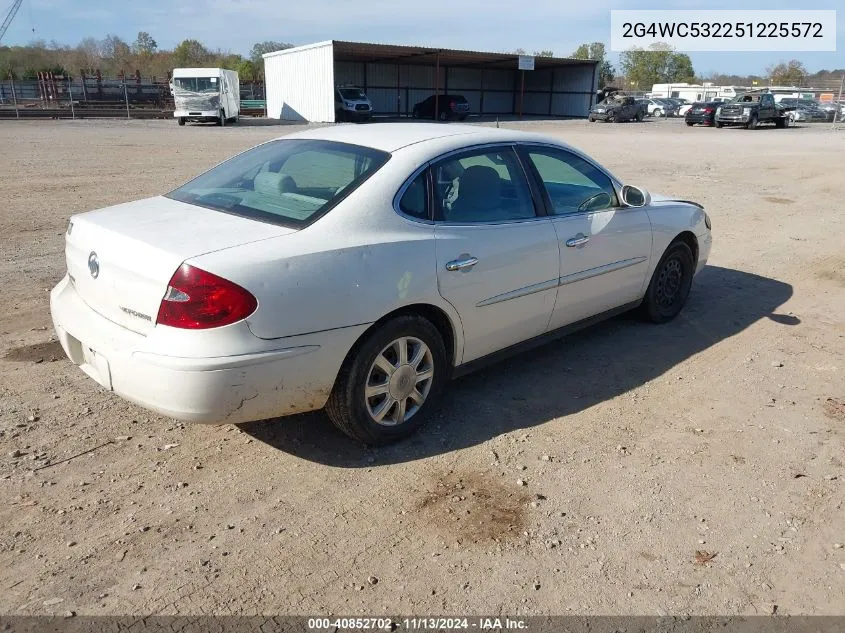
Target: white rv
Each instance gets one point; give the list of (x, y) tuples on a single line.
[(206, 94), (695, 92)]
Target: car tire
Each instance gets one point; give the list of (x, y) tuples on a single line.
[(717, 123), (221, 119), (591, 119), (657, 113), (181, 120), (443, 116), (689, 123), (639, 117), (670, 284), (752, 123), (355, 414)]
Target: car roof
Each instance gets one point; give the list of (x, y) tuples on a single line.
[(390, 137)]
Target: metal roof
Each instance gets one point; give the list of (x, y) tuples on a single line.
[(427, 56)]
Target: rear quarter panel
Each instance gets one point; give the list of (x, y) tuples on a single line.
[(353, 266)]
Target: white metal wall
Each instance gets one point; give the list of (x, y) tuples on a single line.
[(300, 83)]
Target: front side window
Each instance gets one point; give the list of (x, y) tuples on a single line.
[(483, 186), (573, 184), (288, 182)]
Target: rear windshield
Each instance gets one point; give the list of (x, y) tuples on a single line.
[(288, 182)]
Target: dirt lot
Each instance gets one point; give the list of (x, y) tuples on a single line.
[(720, 433)]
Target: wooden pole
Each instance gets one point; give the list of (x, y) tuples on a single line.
[(70, 94), (14, 97), (437, 88), (521, 93), (838, 102)]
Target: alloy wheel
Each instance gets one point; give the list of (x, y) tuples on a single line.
[(398, 381)]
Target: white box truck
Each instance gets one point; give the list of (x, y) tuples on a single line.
[(206, 94)]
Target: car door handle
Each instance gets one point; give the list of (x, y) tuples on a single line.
[(461, 264), (578, 240)]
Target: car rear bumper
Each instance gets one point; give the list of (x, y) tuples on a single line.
[(699, 118), (294, 376)]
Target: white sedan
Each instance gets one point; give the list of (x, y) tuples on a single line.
[(357, 269)]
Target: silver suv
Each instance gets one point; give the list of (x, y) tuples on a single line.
[(351, 104)]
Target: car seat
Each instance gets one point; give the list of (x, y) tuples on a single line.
[(479, 195)]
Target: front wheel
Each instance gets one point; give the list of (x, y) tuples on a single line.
[(221, 121), (752, 124), (718, 124), (591, 119), (181, 120), (690, 123), (389, 384), (639, 117), (658, 112), (670, 284)]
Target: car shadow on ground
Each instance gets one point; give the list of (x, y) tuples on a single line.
[(556, 380)]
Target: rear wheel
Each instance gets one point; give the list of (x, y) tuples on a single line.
[(752, 123), (591, 119), (690, 123), (639, 117), (389, 384), (221, 120), (181, 120), (658, 112), (670, 284)]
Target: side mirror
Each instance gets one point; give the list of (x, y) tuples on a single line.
[(635, 197)]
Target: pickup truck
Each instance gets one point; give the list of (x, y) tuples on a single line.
[(617, 108), (752, 108)]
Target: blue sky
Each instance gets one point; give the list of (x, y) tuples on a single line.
[(234, 25)]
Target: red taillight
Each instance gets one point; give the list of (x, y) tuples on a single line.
[(708, 110), (196, 300)]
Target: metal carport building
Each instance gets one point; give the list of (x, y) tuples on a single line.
[(300, 81)]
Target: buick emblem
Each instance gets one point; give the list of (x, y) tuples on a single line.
[(93, 265)]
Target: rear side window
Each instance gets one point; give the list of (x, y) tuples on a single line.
[(288, 182), (414, 201), (482, 186)]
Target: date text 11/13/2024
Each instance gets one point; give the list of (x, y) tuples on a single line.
[(416, 624)]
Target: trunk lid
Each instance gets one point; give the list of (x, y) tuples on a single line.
[(120, 259)]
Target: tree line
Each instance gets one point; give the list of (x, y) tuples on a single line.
[(113, 55), (638, 69)]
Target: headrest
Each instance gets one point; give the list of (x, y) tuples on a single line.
[(271, 183)]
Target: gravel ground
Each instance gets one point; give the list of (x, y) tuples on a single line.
[(695, 467)]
